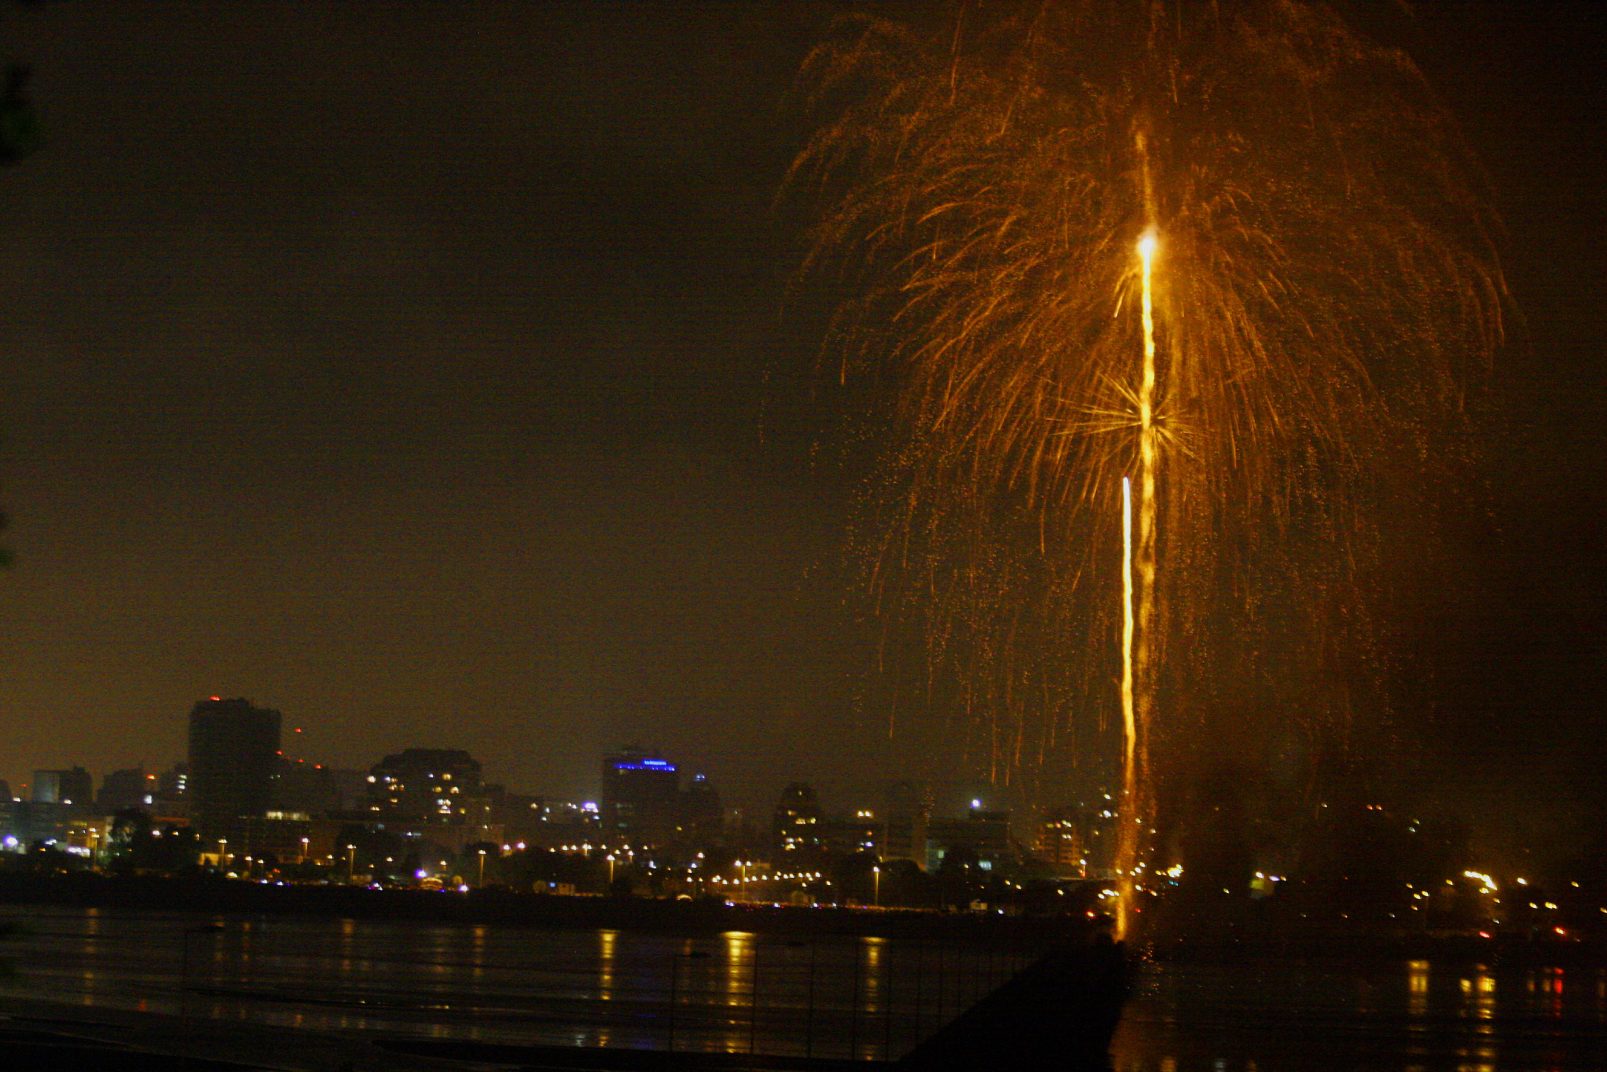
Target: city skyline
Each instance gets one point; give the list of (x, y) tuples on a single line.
[(955, 795)]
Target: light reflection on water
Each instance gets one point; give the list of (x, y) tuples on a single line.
[(1412, 1016), (738, 992), (734, 992), (606, 940)]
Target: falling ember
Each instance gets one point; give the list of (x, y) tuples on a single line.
[(1329, 282)]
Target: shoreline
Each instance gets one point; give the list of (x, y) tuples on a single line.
[(504, 907), (212, 897)]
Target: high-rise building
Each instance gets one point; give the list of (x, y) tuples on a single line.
[(1059, 843), (795, 827), (439, 785), (73, 786), (850, 835), (124, 789), (174, 783), (702, 814), (234, 752), (641, 797)]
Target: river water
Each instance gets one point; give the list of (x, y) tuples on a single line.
[(1391, 1016), (738, 992)]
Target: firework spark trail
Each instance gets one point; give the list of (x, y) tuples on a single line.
[(1124, 852), (1138, 694), (1329, 276)]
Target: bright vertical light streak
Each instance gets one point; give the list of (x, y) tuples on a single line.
[(1146, 440), (1148, 462), (1137, 679), (1129, 736)]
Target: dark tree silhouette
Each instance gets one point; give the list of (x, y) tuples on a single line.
[(20, 132), (20, 135)]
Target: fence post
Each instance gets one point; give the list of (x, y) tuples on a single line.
[(887, 1005), (184, 963), (809, 1022), (675, 971), (853, 1010), (920, 978), (753, 996)]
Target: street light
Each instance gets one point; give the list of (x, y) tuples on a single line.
[(351, 862), (876, 876), (610, 871), (481, 882), (304, 849)]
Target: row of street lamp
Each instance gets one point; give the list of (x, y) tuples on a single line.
[(351, 866)]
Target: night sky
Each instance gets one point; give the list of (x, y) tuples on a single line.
[(429, 373)]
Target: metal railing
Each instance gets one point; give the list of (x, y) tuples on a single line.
[(838, 997), (866, 999)]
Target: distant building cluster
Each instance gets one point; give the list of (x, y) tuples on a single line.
[(427, 816)]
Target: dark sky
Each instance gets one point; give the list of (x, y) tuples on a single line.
[(406, 369), (423, 371), (1517, 650)]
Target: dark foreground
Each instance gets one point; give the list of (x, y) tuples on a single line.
[(64, 1039)]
